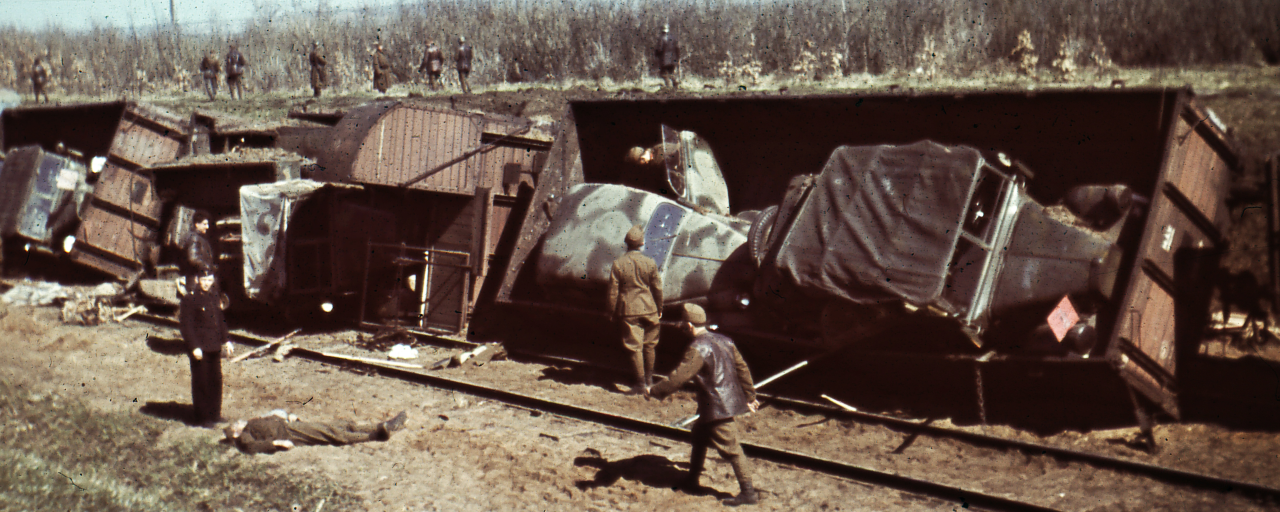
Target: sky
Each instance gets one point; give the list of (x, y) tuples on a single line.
[(191, 14)]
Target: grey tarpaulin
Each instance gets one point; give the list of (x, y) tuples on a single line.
[(265, 210), (880, 223)]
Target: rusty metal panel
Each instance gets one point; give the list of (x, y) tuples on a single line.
[(107, 235), (129, 191)]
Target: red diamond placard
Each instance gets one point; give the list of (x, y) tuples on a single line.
[(1062, 318)]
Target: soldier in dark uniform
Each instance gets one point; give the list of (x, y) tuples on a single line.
[(197, 252), (235, 70), (209, 69), (725, 390), (280, 431), (39, 79), (205, 331), (319, 76), (668, 53), (433, 65), (381, 70), (463, 62), (635, 304)]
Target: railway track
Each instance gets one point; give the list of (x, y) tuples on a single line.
[(963, 497)]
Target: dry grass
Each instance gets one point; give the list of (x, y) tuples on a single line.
[(60, 455), (722, 40)]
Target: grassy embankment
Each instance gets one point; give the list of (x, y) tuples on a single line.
[(61, 455)]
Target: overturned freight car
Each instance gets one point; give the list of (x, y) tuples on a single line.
[(408, 240), (116, 227), (1155, 156)]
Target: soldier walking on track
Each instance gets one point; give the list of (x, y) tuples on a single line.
[(725, 390), (463, 61), (433, 65), (235, 70), (381, 70), (668, 52), (209, 69), (39, 79), (319, 76), (635, 304), (205, 331)]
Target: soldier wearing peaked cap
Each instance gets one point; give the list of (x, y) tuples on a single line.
[(725, 390), (635, 304)]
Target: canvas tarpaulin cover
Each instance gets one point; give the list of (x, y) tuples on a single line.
[(880, 223), (265, 211)]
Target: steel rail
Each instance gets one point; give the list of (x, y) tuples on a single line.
[(963, 497)]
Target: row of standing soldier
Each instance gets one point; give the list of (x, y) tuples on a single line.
[(667, 52)]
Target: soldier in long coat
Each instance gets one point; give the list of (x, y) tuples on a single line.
[(463, 62), (635, 304), (205, 332), (668, 53), (319, 66), (209, 70), (381, 71), (725, 390), (433, 65)]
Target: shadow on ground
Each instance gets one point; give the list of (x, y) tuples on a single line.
[(166, 346), (586, 375), (171, 411), (650, 470)]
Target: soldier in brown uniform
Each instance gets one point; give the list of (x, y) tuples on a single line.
[(381, 71), (725, 390), (39, 79), (432, 64), (209, 70), (319, 65), (236, 65), (280, 431), (462, 60), (635, 303)]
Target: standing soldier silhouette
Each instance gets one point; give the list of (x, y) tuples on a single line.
[(463, 61), (433, 64), (318, 66), (668, 53), (235, 70), (39, 79), (381, 70), (209, 69)]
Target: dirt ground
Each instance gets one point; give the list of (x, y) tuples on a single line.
[(463, 453)]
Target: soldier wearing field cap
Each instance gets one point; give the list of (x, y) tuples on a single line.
[(725, 390), (635, 304)]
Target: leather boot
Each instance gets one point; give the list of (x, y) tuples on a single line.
[(748, 494)]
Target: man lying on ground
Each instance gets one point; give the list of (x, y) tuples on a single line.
[(279, 430)]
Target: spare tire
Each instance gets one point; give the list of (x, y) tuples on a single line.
[(758, 235)]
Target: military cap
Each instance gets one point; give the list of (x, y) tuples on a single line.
[(694, 314), (635, 154), (635, 237)]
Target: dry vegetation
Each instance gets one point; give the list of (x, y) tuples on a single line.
[(737, 41)]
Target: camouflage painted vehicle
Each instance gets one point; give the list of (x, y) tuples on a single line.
[(702, 257), (881, 234)]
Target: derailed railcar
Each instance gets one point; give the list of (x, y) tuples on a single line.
[(1160, 144), (430, 194), (117, 226)]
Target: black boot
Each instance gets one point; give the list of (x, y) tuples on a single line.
[(748, 494)]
